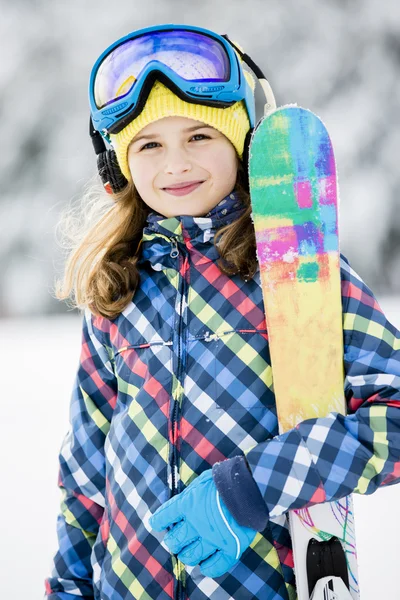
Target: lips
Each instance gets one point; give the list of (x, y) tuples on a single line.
[(182, 190), (184, 184)]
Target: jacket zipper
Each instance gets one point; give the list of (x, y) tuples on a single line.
[(175, 254)]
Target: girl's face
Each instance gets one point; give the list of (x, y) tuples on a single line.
[(176, 150)]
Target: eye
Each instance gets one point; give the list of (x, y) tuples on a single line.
[(201, 135), (148, 144)]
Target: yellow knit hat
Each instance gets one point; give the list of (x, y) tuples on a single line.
[(233, 121)]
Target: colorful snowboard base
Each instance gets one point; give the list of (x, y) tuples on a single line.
[(293, 188)]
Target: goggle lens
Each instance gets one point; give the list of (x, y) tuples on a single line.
[(191, 55)]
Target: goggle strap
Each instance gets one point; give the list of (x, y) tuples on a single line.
[(247, 59), (270, 104)]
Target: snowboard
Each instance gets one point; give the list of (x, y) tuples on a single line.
[(294, 197)]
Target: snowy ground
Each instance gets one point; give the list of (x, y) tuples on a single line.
[(39, 359)]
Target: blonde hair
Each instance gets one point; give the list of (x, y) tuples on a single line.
[(101, 235)]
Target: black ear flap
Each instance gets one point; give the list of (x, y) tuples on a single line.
[(110, 173), (245, 158), (107, 163)]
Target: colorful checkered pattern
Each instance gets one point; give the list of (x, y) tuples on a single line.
[(182, 379)]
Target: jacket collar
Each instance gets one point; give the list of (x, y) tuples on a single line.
[(186, 227), (161, 232)]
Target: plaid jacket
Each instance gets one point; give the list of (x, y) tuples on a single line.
[(181, 380)]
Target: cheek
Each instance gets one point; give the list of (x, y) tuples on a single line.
[(141, 172), (223, 165)]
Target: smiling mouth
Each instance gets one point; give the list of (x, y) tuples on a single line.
[(183, 185), (183, 191)]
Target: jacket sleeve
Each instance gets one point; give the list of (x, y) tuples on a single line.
[(81, 477), (324, 459)]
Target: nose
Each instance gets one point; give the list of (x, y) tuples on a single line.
[(177, 161)]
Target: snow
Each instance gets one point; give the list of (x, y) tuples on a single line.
[(36, 386)]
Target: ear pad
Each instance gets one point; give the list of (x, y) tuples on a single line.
[(109, 171), (245, 159)]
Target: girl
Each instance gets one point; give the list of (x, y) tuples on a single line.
[(174, 480)]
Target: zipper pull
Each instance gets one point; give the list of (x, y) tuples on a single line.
[(174, 251)]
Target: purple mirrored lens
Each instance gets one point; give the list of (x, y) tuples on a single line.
[(191, 55)]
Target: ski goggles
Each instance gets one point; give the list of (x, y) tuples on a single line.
[(198, 65)]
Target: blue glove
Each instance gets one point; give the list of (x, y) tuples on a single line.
[(202, 528)]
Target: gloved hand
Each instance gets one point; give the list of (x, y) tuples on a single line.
[(202, 528)]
